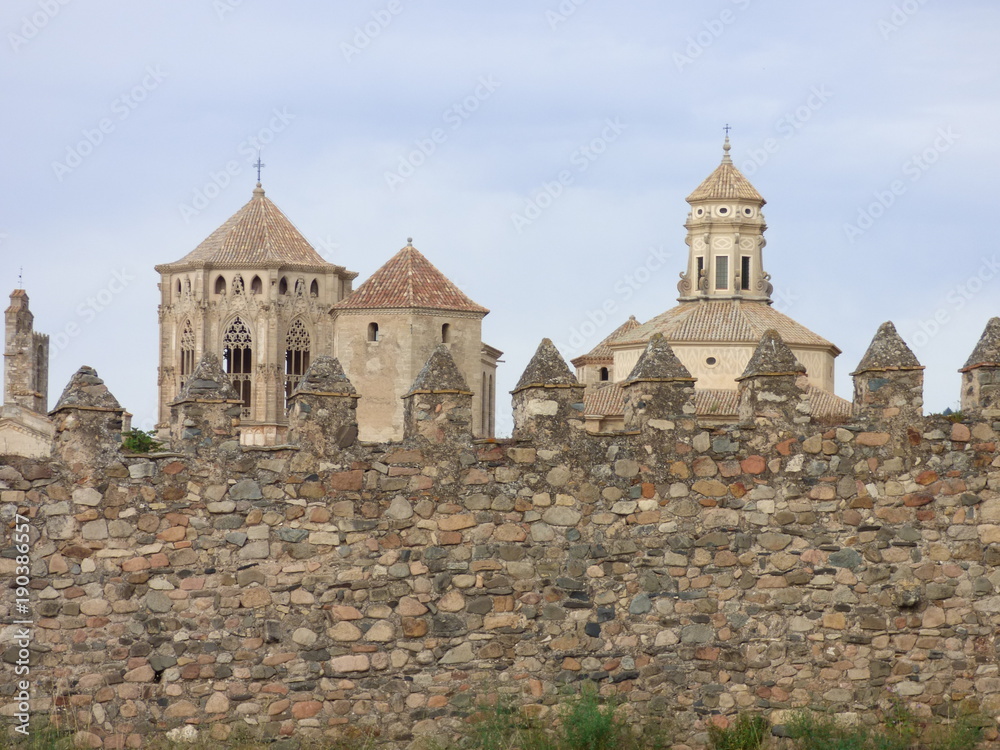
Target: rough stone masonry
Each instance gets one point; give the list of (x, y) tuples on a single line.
[(332, 587)]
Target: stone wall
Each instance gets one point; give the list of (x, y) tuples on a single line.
[(337, 587), (393, 587)]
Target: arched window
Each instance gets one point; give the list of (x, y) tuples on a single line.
[(296, 356), (314, 288), (446, 333), (373, 331), (220, 285), (283, 286), (256, 286), (187, 351), (41, 370), (604, 374), (238, 284), (187, 286), (237, 354), (178, 288)]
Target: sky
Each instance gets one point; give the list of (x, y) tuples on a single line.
[(538, 153)]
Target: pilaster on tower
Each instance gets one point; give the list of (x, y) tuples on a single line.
[(725, 238)]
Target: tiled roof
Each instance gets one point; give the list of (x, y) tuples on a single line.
[(602, 354), (608, 400), (725, 321), (726, 183), (408, 280), (258, 235)]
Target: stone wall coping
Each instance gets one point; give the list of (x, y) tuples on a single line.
[(888, 369), (547, 385), (342, 394), (119, 410), (438, 390)]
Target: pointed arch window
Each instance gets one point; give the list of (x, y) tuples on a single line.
[(256, 285), (237, 355), (41, 364), (220, 285), (187, 351), (283, 286), (297, 353)]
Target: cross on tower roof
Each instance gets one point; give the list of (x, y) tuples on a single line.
[(260, 165), (727, 128)]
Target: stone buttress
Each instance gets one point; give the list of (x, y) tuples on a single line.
[(889, 381), (438, 405), (774, 384), (207, 409), (659, 388), (981, 375), (322, 412), (548, 399)]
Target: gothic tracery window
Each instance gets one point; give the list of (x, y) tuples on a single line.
[(297, 346), (237, 354), (238, 284), (187, 351)]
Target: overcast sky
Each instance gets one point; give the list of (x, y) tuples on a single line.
[(539, 154)]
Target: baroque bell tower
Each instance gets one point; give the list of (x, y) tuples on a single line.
[(725, 239)]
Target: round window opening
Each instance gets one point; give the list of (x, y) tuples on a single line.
[(701, 211), (723, 210), (748, 211), (711, 361)]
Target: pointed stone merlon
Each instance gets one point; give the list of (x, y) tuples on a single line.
[(774, 384), (26, 358), (981, 375), (889, 381), (659, 390), (88, 422), (548, 399), (207, 409), (322, 412), (438, 406)]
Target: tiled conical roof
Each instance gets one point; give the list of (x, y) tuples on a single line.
[(259, 235), (408, 281), (726, 183), (439, 374), (86, 390)]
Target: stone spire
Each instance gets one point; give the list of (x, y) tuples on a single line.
[(87, 391), (547, 369), (26, 358), (440, 374), (659, 388), (438, 406), (548, 399), (772, 357), (88, 423), (208, 381), (981, 375), (774, 384), (889, 381), (887, 351), (206, 413), (726, 238), (322, 412)]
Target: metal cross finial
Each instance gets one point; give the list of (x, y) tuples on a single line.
[(727, 128), (20, 278), (260, 165)]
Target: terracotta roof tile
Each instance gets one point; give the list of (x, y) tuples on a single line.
[(723, 321), (726, 183), (408, 280), (258, 235), (608, 400), (602, 354)]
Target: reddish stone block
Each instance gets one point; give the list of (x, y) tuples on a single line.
[(753, 465), (927, 477), (917, 499), (346, 480), (174, 467)]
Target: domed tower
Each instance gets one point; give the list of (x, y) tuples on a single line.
[(726, 238), (256, 293)]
